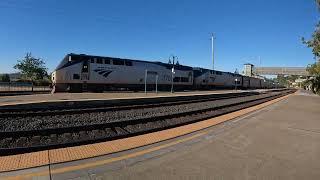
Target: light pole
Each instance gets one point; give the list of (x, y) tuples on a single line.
[(172, 71), (236, 81), (145, 81), (157, 83), (212, 49)]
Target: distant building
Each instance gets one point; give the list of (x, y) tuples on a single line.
[(248, 69)]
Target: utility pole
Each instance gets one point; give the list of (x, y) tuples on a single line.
[(259, 61), (212, 48)]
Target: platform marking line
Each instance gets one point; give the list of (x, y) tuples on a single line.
[(192, 127), (107, 161)]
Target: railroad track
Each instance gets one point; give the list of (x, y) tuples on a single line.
[(142, 103), (18, 141)]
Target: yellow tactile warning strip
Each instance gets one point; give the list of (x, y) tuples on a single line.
[(41, 158), (101, 162)]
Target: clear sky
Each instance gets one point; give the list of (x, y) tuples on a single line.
[(155, 29)]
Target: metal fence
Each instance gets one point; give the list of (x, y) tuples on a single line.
[(21, 86)]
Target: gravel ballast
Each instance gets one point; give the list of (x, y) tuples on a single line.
[(70, 120)]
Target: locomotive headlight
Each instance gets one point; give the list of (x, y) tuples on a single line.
[(53, 76)]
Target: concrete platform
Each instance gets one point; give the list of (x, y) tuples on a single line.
[(281, 141), (36, 98)]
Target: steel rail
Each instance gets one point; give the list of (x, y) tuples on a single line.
[(185, 100), (122, 129)]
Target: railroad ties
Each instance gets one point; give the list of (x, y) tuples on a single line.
[(38, 129)]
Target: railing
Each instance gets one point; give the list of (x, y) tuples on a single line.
[(21, 86), (281, 71)]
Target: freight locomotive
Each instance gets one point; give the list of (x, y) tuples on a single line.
[(81, 72)]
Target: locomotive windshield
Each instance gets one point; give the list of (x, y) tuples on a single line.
[(70, 59)]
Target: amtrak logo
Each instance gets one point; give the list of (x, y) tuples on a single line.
[(213, 79), (103, 72)]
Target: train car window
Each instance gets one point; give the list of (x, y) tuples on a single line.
[(85, 68), (92, 60), (107, 61), (176, 79), (118, 62), (180, 79), (76, 76), (184, 79), (218, 73), (74, 58), (128, 63), (99, 61), (196, 73)]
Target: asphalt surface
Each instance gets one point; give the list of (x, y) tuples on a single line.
[(281, 141)]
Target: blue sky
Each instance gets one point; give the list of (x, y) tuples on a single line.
[(153, 30)]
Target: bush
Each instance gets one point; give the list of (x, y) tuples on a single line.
[(315, 86), (5, 78)]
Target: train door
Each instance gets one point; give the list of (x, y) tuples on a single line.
[(85, 74), (242, 79), (260, 84)]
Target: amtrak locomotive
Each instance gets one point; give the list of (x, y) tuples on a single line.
[(80, 72)]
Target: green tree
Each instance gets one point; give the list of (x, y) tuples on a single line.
[(32, 68), (314, 44), (314, 82), (314, 69), (282, 80), (5, 78)]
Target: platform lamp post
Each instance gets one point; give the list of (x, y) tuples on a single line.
[(145, 81), (236, 83), (172, 71), (157, 83)]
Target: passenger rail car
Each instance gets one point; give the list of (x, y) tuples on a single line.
[(207, 79), (80, 72)]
